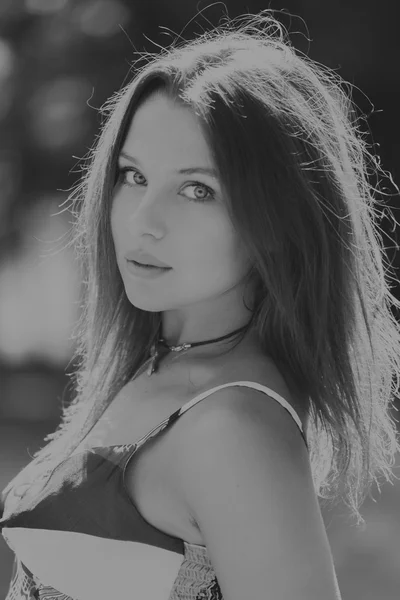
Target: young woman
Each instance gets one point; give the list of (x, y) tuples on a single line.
[(243, 376)]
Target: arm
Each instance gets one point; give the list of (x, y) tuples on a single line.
[(245, 476)]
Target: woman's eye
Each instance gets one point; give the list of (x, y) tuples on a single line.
[(123, 173), (206, 194), (210, 194)]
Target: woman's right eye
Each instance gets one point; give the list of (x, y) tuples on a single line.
[(122, 175)]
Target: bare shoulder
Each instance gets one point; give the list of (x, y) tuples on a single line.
[(245, 476), (262, 369), (240, 411)]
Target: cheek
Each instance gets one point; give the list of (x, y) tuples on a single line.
[(117, 221), (113, 215), (218, 258)]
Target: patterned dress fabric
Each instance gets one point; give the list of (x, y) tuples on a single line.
[(84, 539)]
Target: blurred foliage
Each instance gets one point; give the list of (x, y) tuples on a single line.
[(61, 59)]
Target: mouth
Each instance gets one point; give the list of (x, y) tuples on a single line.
[(149, 267)]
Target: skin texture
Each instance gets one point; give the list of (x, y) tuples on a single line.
[(155, 210)]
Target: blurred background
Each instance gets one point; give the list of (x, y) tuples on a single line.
[(59, 62)]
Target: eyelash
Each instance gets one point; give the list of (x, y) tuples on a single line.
[(122, 170)]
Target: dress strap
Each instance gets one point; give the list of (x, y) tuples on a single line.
[(253, 384), (258, 386)]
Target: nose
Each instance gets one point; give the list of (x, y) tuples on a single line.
[(148, 214)]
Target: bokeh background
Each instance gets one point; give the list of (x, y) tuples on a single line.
[(59, 62)]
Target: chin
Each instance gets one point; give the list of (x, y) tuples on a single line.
[(147, 304)]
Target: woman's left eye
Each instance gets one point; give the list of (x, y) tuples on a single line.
[(209, 191), (194, 184)]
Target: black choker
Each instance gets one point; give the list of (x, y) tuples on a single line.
[(157, 353)]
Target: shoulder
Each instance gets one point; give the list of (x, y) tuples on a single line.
[(263, 370), (236, 416), (245, 477), (244, 406)]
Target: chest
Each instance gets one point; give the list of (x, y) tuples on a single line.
[(141, 406), (137, 409)]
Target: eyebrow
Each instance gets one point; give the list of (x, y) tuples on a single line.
[(188, 171)]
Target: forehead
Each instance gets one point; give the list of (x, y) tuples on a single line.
[(164, 125)]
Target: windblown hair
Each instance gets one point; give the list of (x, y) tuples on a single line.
[(296, 172)]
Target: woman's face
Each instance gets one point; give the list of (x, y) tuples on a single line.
[(179, 218)]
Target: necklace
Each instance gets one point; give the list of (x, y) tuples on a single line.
[(160, 348)]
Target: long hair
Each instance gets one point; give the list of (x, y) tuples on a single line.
[(295, 169)]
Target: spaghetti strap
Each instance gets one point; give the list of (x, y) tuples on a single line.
[(253, 384), (258, 386)]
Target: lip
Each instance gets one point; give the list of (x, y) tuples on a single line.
[(146, 273), (145, 259)]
